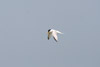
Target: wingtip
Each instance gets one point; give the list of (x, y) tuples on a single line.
[(56, 40)]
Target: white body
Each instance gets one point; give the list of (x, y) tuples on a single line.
[(53, 33)]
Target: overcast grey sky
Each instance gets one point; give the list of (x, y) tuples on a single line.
[(23, 33)]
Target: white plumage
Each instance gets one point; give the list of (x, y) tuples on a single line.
[(52, 32)]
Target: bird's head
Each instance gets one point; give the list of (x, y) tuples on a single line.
[(49, 30)]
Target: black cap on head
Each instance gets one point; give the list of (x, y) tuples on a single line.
[(49, 30)]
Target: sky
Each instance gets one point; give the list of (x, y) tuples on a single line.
[(23, 33)]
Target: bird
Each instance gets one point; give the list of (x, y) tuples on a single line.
[(53, 32)]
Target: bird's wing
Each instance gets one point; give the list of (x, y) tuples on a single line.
[(49, 35), (54, 34), (59, 32)]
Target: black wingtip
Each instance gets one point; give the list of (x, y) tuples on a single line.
[(48, 38), (55, 39)]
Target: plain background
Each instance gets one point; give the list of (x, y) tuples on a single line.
[(23, 33)]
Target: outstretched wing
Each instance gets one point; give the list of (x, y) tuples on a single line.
[(54, 34), (59, 32)]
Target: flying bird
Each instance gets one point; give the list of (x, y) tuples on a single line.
[(52, 32)]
